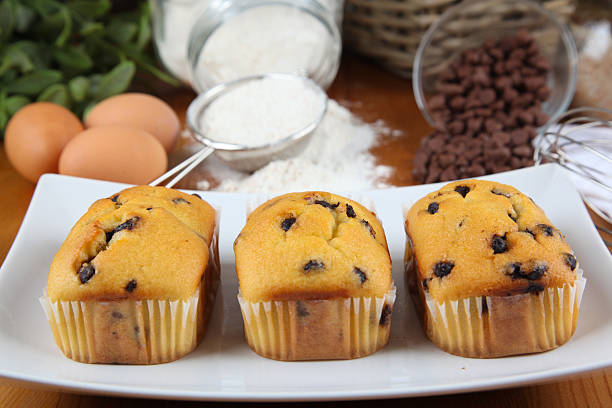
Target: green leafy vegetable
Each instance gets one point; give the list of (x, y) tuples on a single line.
[(57, 93), (71, 52)]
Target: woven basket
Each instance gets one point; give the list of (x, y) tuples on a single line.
[(390, 30)]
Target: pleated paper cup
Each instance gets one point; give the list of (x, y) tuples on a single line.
[(496, 326), (341, 328), (148, 331)]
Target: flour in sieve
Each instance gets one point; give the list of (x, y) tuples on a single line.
[(262, 111)]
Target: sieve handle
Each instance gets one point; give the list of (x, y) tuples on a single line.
[(186, 166)]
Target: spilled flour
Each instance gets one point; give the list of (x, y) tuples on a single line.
[(337, 159)]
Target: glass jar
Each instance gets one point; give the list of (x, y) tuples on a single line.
[(172, 23), (205, 42)]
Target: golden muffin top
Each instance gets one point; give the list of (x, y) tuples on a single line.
[(312, 245), (141, 243), (481, 238)]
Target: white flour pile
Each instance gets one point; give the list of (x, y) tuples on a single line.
[(337, 159), (264, 39), (261, 112)]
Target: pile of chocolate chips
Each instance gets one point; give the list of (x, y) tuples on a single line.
[(487, 108)]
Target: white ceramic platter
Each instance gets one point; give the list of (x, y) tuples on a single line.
[(224, 368)]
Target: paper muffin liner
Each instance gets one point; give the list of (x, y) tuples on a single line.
[(134, 331), (496, 326), (341, 328)]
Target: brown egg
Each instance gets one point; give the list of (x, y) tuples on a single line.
[(139, 110), (116, 153), (36, 135)]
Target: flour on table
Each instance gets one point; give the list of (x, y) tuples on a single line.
[(337, 159)]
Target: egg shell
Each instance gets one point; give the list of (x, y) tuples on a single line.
[(35, 136), (140, 110), (115, 153)]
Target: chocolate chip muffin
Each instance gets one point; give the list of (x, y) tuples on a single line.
[(490, 276), (134, 281), (315, 278)]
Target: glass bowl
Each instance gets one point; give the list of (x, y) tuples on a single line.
[(472, 22), (290, 50)]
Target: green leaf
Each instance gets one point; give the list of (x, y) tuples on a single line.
[(39, 54), (3, 112), (121, 31), (67, 29), (57, 93), (78, 87), (116, 81), (94, 85), (144, 28), (90, 10), (32, 84), (90, 28), (16, 102), (73, 57), (7, 19), (15, 58), (24, 16)]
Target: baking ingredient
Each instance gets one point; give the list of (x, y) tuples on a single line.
[(173, 21), (73, 53), (262, 111), (272, 38), (487, 109), (598, 41), (139, 110), (593, 87), (337, 159), (114, 153), (36, 135)]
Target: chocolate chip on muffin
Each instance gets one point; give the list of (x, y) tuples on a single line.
[(350, 211), (86, 272), (441, 269), (369, 227), (534, 288), (327, 205), (463, 190), (131, 286), (360, 274), (287, 223), (547, 229), (570, 260), (433, 208), (313, 265), (129, 225), (499, 244), (180, 200)]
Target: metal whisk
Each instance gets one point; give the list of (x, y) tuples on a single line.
[(580, 140)]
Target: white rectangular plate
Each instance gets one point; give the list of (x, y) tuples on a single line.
[(224, 368)]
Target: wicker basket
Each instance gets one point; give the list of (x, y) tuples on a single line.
[(390, 30)]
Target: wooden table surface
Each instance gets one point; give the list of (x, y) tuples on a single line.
[(372, 94)]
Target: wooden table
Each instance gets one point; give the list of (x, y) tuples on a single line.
[(372, 94)]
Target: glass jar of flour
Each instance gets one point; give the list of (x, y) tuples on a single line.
[(206, 42)]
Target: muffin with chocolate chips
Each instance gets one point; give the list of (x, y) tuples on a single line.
[(315, 278), (489, 274), (134, 281)]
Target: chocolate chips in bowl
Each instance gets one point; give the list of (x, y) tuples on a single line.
[(487, 89)]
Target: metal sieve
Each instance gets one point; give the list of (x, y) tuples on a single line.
[(239, 156)]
